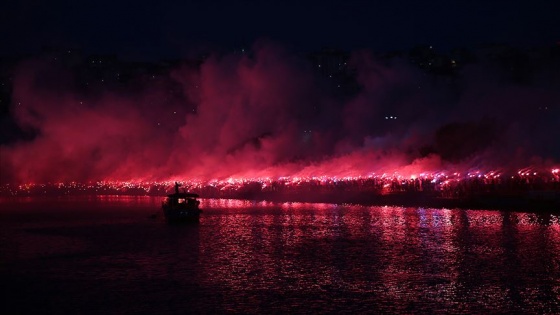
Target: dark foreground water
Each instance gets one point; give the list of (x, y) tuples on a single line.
[(105, 255)]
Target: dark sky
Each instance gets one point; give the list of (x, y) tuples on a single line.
[(155, 29)]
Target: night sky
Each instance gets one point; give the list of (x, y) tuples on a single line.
[(162, 29)]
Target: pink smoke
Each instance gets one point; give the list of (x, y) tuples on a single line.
[(267, 115)]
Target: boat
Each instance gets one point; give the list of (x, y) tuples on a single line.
[(181, 206)]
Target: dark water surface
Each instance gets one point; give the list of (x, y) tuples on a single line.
[(105, 255)]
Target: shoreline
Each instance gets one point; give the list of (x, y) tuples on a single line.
[(517, 203), (542, 202)]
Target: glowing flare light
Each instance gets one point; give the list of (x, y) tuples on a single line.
[(446, 184)]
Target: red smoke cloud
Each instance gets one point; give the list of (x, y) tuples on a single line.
[(267, 114)]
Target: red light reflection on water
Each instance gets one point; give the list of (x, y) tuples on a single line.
[(481, 260), (394, 259)]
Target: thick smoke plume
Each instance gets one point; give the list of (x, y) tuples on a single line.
[(269, 113)]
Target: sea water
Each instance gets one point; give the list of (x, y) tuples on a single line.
[(115, 255)]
